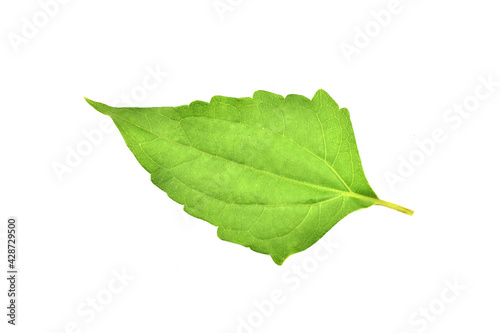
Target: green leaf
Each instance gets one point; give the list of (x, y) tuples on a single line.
[(272, 173)]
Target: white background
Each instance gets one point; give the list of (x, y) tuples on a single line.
[(79, 229)]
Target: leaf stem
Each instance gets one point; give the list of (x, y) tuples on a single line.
[(384, 203), (394, 206)]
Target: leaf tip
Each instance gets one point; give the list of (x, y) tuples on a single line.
[(88, 100), (102, 108)]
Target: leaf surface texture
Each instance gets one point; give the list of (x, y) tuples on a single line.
[(272, 173)]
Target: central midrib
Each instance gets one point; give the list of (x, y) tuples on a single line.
[(347, 193)]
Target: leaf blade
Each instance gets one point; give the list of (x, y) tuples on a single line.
[(272, 173)]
